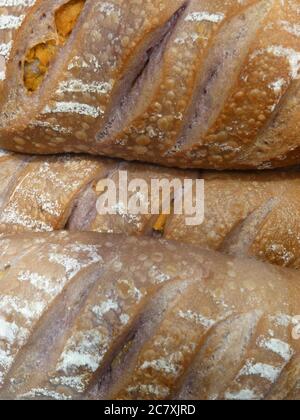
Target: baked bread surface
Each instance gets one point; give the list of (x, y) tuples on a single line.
[(246, 213), (193, 84), (106, 317)]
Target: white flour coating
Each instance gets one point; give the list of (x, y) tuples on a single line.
[(75, 382), (54, 127), (158, 276), (133, 291), (5, 49), (73, 108), (92, 63), (162, 365), (10, 21), (4, 153), (243, 395), (46, 171), (73, 265), (120, 209), (10, 332), (197, 318), (27, 309), (171, 364), (278, 85), (109, 9), (292, 28), (159, 391), (41, 392), (78, 62), (265, 371), (44, 200), (205, 17), (104, 308), (13, 216), (190, 37), (291, 55), (12, 337), (282, 320), (280, 250), (47, 205), (83, 349), (124, 318), (278, 347), (78, 86), (92, 252), (41, 282), (17, 3), (5, 361)]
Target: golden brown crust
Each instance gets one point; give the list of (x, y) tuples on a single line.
[(253, 214), (246, 214), (208, 84), (263, 82), (42, 194), (250, 214), (137, 323)]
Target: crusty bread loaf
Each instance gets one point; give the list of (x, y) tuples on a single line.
[(186, 83), (246, 214), (100, 316)]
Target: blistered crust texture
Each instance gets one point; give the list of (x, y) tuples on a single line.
[(195, 83), (246, 214), (135, 323)]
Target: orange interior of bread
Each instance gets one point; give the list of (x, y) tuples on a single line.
[(66, 18), (38, 58), (160, 224)]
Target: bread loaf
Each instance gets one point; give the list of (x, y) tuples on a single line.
[(89, 316), (185, 83), (246, 214)]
